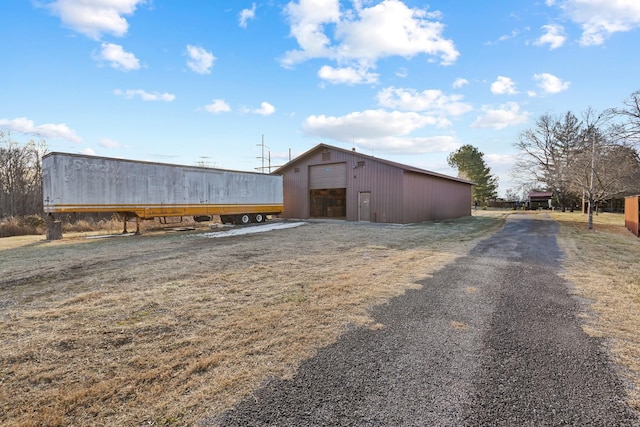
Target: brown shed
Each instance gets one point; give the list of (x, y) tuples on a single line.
[(539, 199), (329, 182), (632, 214)]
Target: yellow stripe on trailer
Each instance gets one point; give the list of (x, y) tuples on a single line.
[(151, 211)]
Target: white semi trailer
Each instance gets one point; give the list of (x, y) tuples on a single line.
[(145, 190)]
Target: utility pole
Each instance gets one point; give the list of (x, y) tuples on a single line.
[(262, 156), (269, 166), (593, 171)]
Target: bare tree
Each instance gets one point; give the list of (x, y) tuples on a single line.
[(547, 151), (625, 164), (511, 195), (600, 167), (629, 128), (586, 157), (20, 176)]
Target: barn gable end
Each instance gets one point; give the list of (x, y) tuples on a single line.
[(329, 182)]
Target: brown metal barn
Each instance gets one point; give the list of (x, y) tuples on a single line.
[(329, 182)]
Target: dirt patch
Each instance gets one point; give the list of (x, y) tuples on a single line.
[(167, 328)]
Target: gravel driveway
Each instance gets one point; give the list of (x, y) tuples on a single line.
[(492, 340)]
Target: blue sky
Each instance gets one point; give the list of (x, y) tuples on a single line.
[(201, 81)]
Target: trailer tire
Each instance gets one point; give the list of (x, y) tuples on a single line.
[(244, 219), (226, 219), (258, 218)]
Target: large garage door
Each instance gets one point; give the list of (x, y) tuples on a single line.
[(328, 176)]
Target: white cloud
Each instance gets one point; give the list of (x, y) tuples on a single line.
[(363, 35), (382, 131), (46, 131), (433, 101), (346, 75), (117, 57), (95, 17), (507, 115), (502, 166), (246, 15), (599, 19), (307, 19), (512, 35), (265, 109), (500, 162), (88, 151), (503, 85), (410, 145), (501, 159), (200, 61), (399, 31), (550, 83), (144, 95), (110, 143), (553, 36), (460, 82), (217, 106), (402, 72), (369, 124)]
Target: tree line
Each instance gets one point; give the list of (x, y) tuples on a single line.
[(20, 176), (593, 157)]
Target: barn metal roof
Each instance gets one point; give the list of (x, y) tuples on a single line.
[(543, 195), (372, 158)]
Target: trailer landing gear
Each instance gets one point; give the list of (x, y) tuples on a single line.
[(54, 228), (126, 218)]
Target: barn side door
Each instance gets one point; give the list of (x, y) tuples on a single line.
[(364, 206)]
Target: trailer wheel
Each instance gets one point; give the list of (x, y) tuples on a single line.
[(258, 218), (244, 219), (226, 219)]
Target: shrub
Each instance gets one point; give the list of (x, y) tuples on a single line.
[(32, 221), (14, 226)]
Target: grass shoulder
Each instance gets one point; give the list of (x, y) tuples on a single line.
[(602, 266)]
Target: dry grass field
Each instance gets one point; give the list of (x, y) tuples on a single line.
[(168, 328), (604, 267)]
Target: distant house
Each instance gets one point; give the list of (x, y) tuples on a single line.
[(539, 199), (330, 182)]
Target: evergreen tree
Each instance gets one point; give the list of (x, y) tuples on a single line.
[(471, 166)]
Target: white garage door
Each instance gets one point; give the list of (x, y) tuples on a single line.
[(333, 175)]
